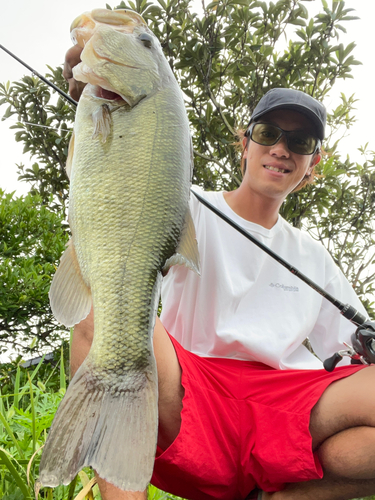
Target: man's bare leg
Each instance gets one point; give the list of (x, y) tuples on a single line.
[(110, 492), (170, 392), (324, 489), (343, 431)]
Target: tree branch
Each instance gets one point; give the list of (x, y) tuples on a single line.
[(223, 167), (218, 107)]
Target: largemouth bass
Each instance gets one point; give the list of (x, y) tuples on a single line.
[(130, 167)]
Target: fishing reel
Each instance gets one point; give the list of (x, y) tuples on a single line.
[(362, 349)]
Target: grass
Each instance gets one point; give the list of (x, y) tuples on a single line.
[(27, 408)]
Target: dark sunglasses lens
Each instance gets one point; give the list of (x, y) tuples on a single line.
[(265, 134), (298, 142), (301, 143)]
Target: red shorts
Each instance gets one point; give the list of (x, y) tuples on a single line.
[(244, 425)]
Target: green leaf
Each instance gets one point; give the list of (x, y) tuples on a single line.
[(11, 435), (17, 478), (17, 383), (297, 22)]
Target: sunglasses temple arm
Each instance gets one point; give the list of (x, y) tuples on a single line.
[(348, 311)]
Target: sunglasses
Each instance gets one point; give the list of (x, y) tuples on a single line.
[(298, 141)]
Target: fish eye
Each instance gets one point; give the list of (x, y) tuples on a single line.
[(146, 39)]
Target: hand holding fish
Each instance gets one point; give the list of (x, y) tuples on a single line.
[(72, 58)]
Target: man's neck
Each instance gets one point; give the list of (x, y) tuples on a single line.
[(254, 208)]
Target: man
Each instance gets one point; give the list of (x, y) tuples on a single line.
[(242, 403)]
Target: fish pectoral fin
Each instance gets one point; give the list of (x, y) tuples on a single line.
[(102, 121), (69, 160), (70, 297), (187, 250)]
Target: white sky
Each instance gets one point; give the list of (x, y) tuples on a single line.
[(37, 31)]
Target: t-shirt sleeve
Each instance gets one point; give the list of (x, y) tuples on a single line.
[(332, 329), (194, 203)]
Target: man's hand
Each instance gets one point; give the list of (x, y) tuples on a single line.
[(72, 58)]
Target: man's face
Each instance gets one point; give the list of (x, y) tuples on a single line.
[(274, 171)]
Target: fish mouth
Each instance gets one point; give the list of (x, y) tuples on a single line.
[(108, 95)]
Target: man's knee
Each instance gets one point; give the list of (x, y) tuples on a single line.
[(171, 391), (83, 335), (344, 404)]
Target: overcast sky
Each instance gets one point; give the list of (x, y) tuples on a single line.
[(37, 31)]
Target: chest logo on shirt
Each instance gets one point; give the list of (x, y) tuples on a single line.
[(284, 287)]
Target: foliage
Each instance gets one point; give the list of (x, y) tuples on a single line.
[(27, 408), (32, 238), (45, 130), (226, 60), (154, 493)]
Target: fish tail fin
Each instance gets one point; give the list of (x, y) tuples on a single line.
[(112, 428)]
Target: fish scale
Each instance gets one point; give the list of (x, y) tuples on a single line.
[(130, 165)]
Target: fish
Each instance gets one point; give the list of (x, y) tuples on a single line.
[(130, 164)]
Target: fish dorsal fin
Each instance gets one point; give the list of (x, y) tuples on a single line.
[(69, 160), (187, 250), (70, 297)]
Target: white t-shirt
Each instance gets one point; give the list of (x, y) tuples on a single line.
[(245, 305)]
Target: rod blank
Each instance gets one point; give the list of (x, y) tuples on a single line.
[(61, 92)]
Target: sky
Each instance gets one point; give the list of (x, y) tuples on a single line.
[(37, 32)]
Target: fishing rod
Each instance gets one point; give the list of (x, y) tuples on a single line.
[(61, 92), (363, 340)]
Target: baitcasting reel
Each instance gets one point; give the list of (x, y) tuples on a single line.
[(361, 351)]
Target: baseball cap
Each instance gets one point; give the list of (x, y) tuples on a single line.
[(282, 98)]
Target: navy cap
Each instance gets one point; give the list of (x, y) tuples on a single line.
[(295, 100)]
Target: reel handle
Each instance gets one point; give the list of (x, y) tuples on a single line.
[(330, 363), (361, 351)]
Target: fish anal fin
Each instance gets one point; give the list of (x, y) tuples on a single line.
[(69, 160), (70, 297), (187, 250)]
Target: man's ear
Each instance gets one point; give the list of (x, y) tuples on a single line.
[(244, 142), (314, 162), (316, 159)]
